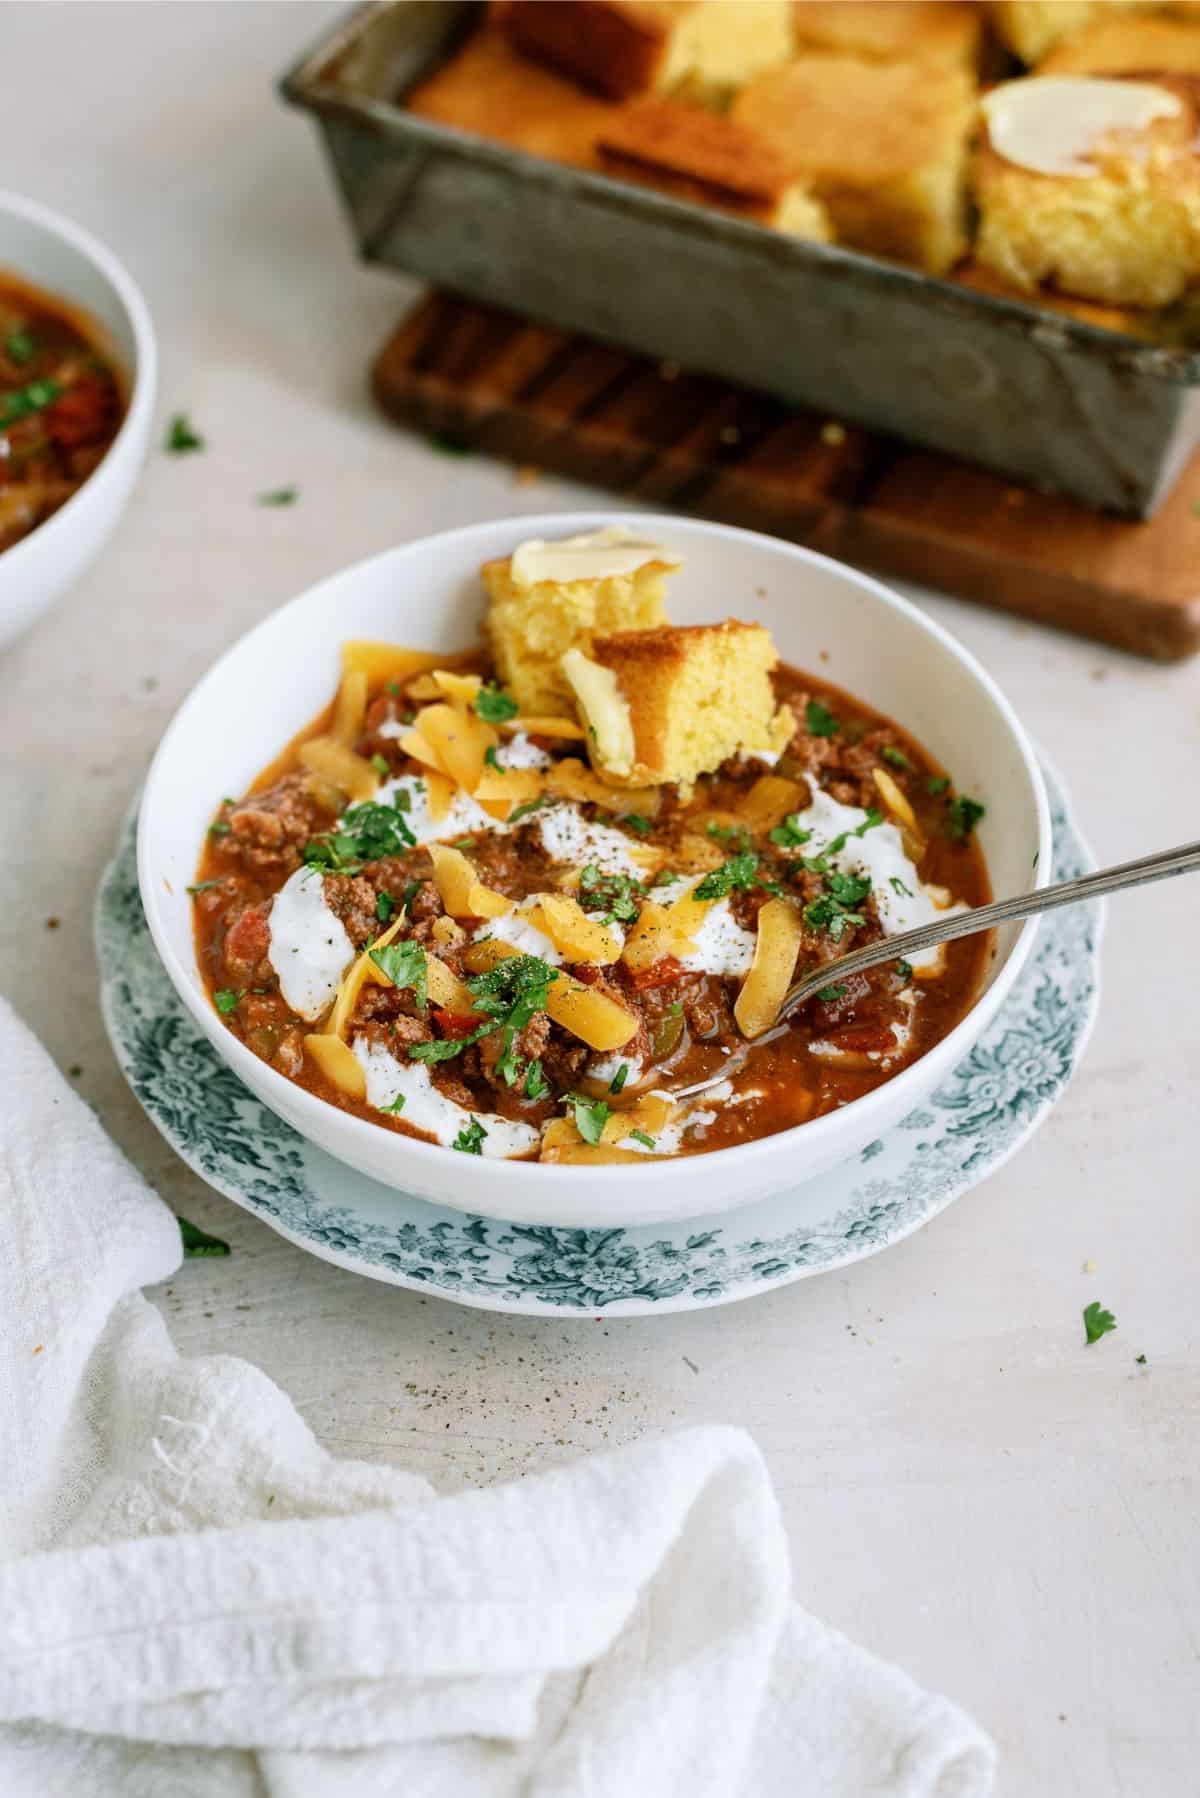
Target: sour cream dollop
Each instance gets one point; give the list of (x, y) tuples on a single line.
[(309, 948)]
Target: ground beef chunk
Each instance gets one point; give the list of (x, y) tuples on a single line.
[(706, 1008), (268, 830), (528, 1045), (353, 899), (390, 1005), (393, 1032), (246, 943), (563, 1061)]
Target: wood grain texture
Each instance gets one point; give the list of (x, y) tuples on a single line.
[(533, 395)]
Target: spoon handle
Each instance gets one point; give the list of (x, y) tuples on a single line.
[(1161, 866)]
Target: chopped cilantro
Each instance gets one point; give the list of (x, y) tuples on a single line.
[(936, 783), (278, 496), (896, 757), (820, 720), (647, 1142), (1097, 1322), (665, 877), (737, 872), (393, 687), (219, 829), (904, 969), (828, 995), (1140, 1359), (619, 1078), (181, 437), (530, 805), (789, 835), (848, 889), (385, 905), (197, 1242), (470, 1138), (383, 768), (898, 887), (226, 1000), (402, 798), (962, 815), (536, 1084), (365, 833), (507, 996), (635, 821), (395, 1106), (615, 896), (735, 834), (19, 347), (405, 965), (410, 893), (491, 759), (24, 401), (590, 1116), (203, 886), (495, 706)]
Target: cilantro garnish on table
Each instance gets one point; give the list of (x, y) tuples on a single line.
[(181, 437), (197, 1242), (366, 833), (738, 872), (495, 706), (1097, 1322), (615, 896), (278, 496)]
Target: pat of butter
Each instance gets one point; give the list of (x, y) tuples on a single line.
[(595, 556), (1052, 124), (605, 710)]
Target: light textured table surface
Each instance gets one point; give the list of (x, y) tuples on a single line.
[(969, 1490)]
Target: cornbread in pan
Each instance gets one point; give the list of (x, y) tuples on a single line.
[(1131, 321), (531, 623), (1125, 46), (1032, 28), (670, 704), (624, 47), (890, 30), (1126, 235), (884, 146), (488, 89), (697, 155)]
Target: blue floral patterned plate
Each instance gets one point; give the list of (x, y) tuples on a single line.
[(990, 1105)]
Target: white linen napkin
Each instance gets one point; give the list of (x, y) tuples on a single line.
[(195, 1599)]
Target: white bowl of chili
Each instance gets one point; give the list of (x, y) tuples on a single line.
[(62, 498), (864, 639)]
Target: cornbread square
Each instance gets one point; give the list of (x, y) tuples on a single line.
[(531, 627), (668, 705), (890, 30), (1130, 321), (1032, 28), (624, 47), (697, 155), (883, 145), (490, 90), (1129, 235), (1125, 46)]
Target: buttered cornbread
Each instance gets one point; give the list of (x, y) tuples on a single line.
[(698, 155), (891, 30), (1129, 46), (624, 47), (1093, 186), (884, 146), (669, 704), (549, 597), (1032, 28)]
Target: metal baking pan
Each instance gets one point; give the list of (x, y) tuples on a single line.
[(1037, 395)]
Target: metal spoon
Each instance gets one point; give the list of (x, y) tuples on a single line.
[(948, 928)]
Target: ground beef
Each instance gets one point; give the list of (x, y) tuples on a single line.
[(528, 1045), (353, 899), (390, 1005), (247, 940), (516, 865), (393, 1031), (268, 830)]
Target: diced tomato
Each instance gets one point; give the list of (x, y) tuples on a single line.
[(247, 941), (81, 415), (457, 1024), (660, 973)]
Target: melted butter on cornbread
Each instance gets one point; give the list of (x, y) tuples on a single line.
[(1053, 124), (593, 556)]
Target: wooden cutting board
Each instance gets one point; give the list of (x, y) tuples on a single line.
[(482, 379)]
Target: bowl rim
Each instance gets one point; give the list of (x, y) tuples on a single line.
[(738, 1159), (142, 375)]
